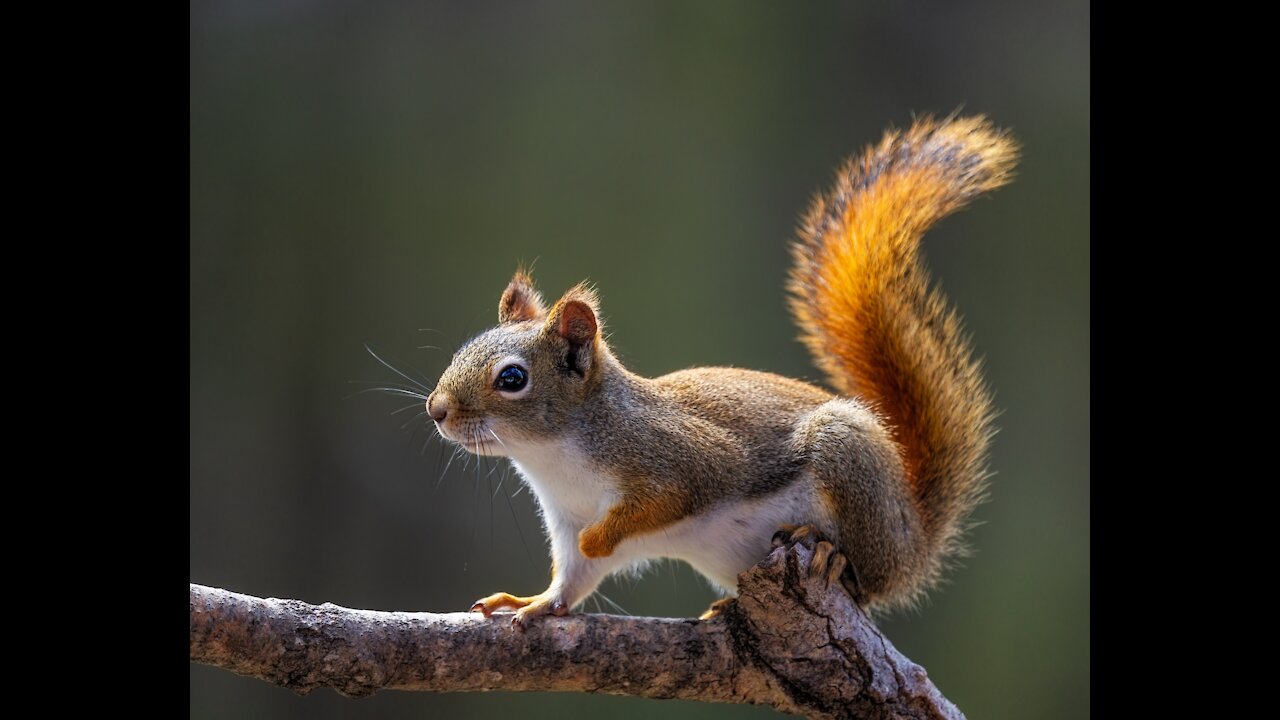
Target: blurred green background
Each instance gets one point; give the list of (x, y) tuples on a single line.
[(361, 170)]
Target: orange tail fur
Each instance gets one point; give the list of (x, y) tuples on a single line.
[(877, 327)]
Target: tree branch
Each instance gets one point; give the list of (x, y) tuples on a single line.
[(789, 641)]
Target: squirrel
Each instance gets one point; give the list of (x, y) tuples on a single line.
[(715, 465)]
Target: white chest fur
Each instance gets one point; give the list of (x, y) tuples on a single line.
[(565, 483)]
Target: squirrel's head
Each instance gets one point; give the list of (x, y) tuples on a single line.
[(520, 382)]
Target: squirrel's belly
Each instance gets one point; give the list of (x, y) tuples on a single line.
[(727, 539), (720, 542)]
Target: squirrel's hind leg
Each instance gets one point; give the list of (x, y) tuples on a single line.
[(827, 562), (858, 474)]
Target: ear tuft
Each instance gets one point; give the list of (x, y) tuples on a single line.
[(520, 301)]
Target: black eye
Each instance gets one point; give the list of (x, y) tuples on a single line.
[(513, 378)]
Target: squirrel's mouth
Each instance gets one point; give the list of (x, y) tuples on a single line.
[(477, 444), (477, 439), (482, 447)]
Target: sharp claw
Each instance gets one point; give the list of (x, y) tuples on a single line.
[(801, 533), (838, 564), (781, 537), (821, 556)]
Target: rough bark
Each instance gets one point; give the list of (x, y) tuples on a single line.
[(789, 641)]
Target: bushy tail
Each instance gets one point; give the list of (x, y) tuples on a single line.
[(878, 328)]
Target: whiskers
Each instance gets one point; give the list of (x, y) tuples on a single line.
[(597, 596), (416, 389), (419, 384), (511, 506), (389, 389), (409, 386), (478, 440)]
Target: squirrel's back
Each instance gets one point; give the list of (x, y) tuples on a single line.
[(875, 324)]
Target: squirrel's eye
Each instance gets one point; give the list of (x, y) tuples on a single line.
[(512, 379)]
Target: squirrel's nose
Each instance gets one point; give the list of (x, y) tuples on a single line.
[(437, 407)]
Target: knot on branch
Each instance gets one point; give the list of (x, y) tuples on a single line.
[(820, 649)]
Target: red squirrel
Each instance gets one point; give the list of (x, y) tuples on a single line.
[(707, 464)]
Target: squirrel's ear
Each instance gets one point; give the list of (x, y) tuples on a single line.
[(520, 301), (576, 319), (577, 323)]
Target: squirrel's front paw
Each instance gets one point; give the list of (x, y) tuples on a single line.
[(544, 605), (501, 601), (525, 607)]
